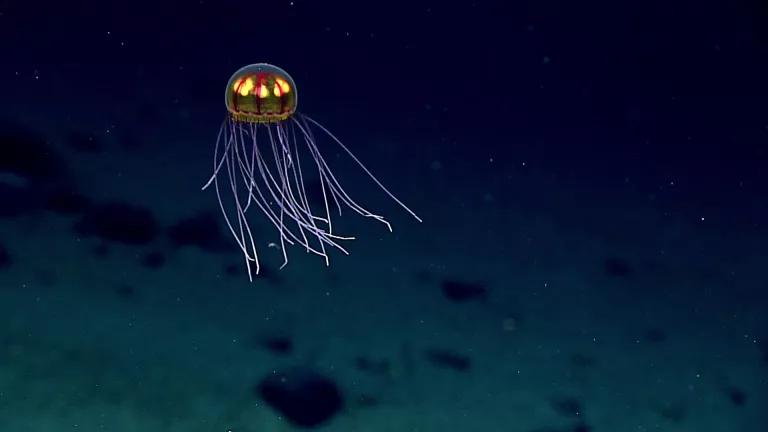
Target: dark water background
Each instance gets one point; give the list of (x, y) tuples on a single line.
[(591, 177)]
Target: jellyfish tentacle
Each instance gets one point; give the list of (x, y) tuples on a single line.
[(284, 181), (273, 185), (281, 166), (336, 189), (246, 178), (303, 192), (266, 208), (327, 209), (260, 200), (240, 241), (302, 203), (221, 202), (302, 187), (267, 173), (242, 221), (359, 163), (282, 206), (251, 167), (242, 210), (274, 219), (247, 170), (296, 172), (333, 183), (289, 165), (216, 164), (325, 237), (309, 137), (324, 172)]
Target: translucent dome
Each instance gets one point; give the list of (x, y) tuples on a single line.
[(261, 93)]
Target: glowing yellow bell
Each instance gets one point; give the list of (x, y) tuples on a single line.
[(261, 93)]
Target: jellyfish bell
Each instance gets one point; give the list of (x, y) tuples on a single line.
[(263, 147), (261, 93)]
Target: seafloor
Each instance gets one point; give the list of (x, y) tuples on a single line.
[(526, 301)]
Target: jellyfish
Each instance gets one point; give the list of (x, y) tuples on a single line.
[(262, 152)]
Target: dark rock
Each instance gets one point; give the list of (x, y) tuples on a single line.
[(617, 267), (67, 202), (118, 222), (28, 155), (16, 200), (578, 427), (153, 260), (548, 429), (201, 231), (278, 344), (448, 359), (462, 291), (581, 427), (737, 396), (304, 397), (5, 258)]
